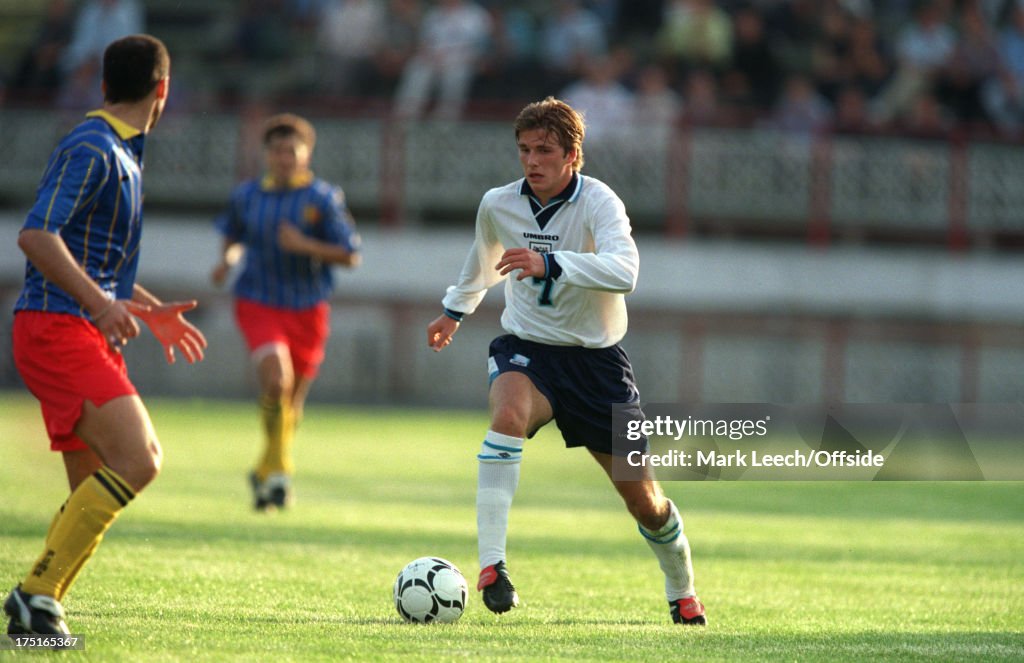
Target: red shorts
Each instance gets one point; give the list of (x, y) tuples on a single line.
[(303, 332), (64, 361)]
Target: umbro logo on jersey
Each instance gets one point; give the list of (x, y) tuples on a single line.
[(548, 238)]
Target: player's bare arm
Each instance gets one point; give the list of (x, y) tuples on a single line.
[(528, 261), (51, 257), (230, 255), (440, 332), (293, 240)]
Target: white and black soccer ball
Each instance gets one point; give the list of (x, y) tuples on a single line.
[(430, 589)]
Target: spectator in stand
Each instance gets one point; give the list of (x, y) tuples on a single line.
[(263, 31), (801, 109), (867, 63), (606, 104), (350, 32), (992, 11), (703, 105), (401, 38), (452, 38), (735, 93), (831, 46), (39, 76), (974, 61), (656, 103), (98, 23), (755, 72), (858, 9), (695, 33), (928, 120), (792, 28), (306, 15), (511, 63), (656, 106), (851, 113), (891, 16), (256, 53), (636, 21), (922, 49), (608, 11), (1004, 94), (925, 118), (79, 92), (571, 36)]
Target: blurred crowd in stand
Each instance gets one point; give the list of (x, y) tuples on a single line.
[(914, 67)]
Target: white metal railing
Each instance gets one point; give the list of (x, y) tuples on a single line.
[(759, 180)]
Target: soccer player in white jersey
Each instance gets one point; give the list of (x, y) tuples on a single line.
[(564, 239)]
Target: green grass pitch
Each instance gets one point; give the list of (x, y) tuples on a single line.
[(788, 571)]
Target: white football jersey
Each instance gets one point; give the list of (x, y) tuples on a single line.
[(589, 236)]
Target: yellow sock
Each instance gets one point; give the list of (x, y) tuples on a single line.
[(279, 430), (72, 576), (76, 532), (56, 517)]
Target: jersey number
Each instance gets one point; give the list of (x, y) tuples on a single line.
[(545, 291)]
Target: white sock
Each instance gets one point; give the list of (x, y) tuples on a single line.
[(672, 549), (500, 458)]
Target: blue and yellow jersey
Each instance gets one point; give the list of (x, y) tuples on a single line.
[(270, 275), (90, 195)]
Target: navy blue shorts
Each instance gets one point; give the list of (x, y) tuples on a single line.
[(581, 384)]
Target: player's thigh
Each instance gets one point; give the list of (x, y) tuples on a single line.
[(517, 407), (121, 433)]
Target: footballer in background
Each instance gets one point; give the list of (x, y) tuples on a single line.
[(289, 228)]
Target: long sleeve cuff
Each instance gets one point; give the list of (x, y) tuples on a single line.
[(552, 270)]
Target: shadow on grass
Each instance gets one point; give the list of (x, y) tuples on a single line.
[(523, 638), (876, 501), (279, 536), (639, 640)]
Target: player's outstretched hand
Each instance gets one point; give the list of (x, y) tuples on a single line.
[(171, 328), (440, 332), (528, 261)]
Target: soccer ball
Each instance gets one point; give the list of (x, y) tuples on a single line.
[(430, 589)]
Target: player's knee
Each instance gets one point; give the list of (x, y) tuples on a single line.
[(277, 381), (510, 420), (141, 468), (277, 390), (147, 470), (156, 458)]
